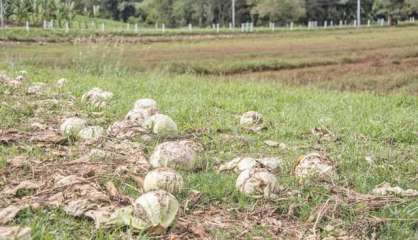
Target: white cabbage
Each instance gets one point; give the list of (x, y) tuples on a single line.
[(91, 133), (72, 126), (145, 103), (158, 210), (258, 183), (162, 125), (174, 154), (165, 179), (313, 164)]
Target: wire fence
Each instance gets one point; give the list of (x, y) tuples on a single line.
[(248, 27)]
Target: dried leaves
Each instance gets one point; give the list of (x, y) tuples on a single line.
[(7, 214), (15, 232)]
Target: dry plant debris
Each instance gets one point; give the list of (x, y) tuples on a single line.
[(15, 232)]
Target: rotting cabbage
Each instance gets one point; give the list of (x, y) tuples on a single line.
[(153, 212), (258, 182), (162, 125), (158, 210), (36, 89), (240, 164), (97, 97), (385, 189), (313, 164), (174, 154), (91, 133), (163, 178), (250, 119), (72, 126)]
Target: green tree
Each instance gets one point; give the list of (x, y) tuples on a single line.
[(411, 7), (279, 10), (159, 11), (391, 9)]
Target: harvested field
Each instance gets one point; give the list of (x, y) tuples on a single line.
[(343, 104)]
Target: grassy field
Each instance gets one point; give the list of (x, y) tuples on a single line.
[(361, 85), (377, 60)]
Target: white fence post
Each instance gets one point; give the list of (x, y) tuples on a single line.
[(103, 27), (217, 27), (230, 26), (67, 28), (291, 26), (341, 23), (368, 23), (190, 27), (27, 26), (136, 27), (325, 24), (163, 28)]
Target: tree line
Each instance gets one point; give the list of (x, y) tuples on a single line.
[(175, 13)]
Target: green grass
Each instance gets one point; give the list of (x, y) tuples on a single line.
[(384, 127)]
